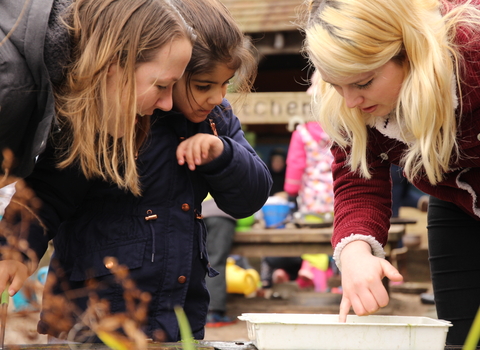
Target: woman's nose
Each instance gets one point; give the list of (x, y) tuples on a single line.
[(165, 103), (352, 98)]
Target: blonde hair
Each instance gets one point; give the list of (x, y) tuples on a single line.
[(348, 37), (121, 33)]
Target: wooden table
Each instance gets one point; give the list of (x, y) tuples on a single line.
[(296, 241)]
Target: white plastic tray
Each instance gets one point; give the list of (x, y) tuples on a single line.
[(269, 331)]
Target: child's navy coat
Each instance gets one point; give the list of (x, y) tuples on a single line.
[(159, 236)]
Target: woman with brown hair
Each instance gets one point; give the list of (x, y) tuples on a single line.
[(57, 60)]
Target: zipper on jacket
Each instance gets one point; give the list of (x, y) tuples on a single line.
[(213, 127), (199, 216), (151, 217)]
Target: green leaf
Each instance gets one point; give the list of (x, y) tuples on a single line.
[(474, 334), (185, 330)]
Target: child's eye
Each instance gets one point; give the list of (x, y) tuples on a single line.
[(202, 87), (364, 86), (160, 87)]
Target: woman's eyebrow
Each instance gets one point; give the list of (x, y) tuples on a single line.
[(352, 83), (204, 81)]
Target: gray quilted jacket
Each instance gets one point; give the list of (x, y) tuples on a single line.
[(30, 60)]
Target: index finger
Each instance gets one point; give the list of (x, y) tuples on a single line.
[(345, 306), (180, 153), (184, 155)]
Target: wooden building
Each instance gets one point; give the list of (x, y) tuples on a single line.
[(283, 70)]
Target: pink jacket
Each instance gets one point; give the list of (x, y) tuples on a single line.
[(296, 157)]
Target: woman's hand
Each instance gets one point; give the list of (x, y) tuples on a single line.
[(199, 149), (362, 275), (15, 273)]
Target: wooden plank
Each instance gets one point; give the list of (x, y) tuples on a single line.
[(254, 16), (295, 241), (258, 250), (280, 236), (307, 235)]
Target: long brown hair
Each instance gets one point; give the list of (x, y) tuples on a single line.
[(124, 33)]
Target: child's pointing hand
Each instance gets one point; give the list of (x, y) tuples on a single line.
[(199, 149)]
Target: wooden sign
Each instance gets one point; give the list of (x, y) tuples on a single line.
[(271, 107)]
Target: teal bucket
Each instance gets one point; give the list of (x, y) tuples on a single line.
[(275, 215)]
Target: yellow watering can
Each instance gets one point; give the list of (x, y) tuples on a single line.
[(240, 280)]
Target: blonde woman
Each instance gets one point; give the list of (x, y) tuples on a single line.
[(400, 84)]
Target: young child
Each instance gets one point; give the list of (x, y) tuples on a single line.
[(308, 176), (220, 57), (159, 236)]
